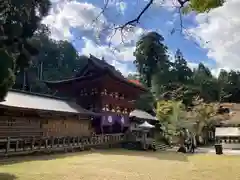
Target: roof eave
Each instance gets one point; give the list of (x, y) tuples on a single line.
[(85, 112)]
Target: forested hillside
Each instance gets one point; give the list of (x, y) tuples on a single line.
[(164, 77), (175, 80), (56, 60)]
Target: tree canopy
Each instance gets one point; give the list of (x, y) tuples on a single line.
[(151, 56), (201, 6), (175, 87), (174, 79), (18, 23), (55, 60)]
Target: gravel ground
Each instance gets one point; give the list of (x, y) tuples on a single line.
[(210, 150)]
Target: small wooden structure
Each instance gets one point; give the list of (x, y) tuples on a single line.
[(142, 129), (138, 117)]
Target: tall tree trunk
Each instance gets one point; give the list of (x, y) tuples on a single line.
[(26, 81), (149, 80)]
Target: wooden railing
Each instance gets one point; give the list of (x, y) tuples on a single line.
[(16, 146)]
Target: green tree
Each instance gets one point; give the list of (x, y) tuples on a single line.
[(206, 84), (200, 6), (232, 86), (151, 56), (204, 114), (19, 20), (56, 60), (146, 102), (170, 114), (182, 72), (224, 94), (176, 82)]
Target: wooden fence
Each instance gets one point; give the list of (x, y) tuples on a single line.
[(17, 146)]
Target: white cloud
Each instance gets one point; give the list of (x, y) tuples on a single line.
[(192, 65), (170, 5), (110, 54), (215, 71), (73, 14), (118, 38), (220, 29), (66, 15), (123, 68)]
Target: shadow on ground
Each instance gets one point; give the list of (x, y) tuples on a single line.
[(161, 155), (6, 176)]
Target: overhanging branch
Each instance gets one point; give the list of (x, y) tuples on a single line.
[(135, 21)]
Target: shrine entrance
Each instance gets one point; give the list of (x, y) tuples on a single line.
[(111, 124)]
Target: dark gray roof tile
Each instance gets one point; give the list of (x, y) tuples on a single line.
[(19, 99)]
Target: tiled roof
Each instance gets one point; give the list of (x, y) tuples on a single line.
[(105, 67), (142, 115), (231, 106), (25, 100), (75, 79), (135, 82), (234, 118)]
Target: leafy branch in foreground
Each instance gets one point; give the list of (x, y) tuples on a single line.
[(19, 20)]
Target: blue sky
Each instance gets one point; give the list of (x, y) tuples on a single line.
[(76, 21)]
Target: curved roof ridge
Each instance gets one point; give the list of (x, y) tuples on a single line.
[(142, 115)]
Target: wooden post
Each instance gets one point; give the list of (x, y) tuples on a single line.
[(17, 145), (8, 145), (101, 128), (94, 140), (52, 142), (64, 141), (84, 141), (90, 141), (23, 144), (78, 141), (69, 141), (46, 143), (33, 143), (82, 144), (99, 140), (39, 144), (102, 139), (58, 142), (73, 141)]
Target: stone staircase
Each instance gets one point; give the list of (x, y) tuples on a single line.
[(160, 146)]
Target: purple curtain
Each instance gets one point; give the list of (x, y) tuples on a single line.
[(123, 120), (108, 120)]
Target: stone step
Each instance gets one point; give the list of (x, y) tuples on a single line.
[(161, 146)]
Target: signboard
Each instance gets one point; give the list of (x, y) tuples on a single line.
[(227, 132)]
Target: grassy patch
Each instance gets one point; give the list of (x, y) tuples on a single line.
[(119, 165)]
